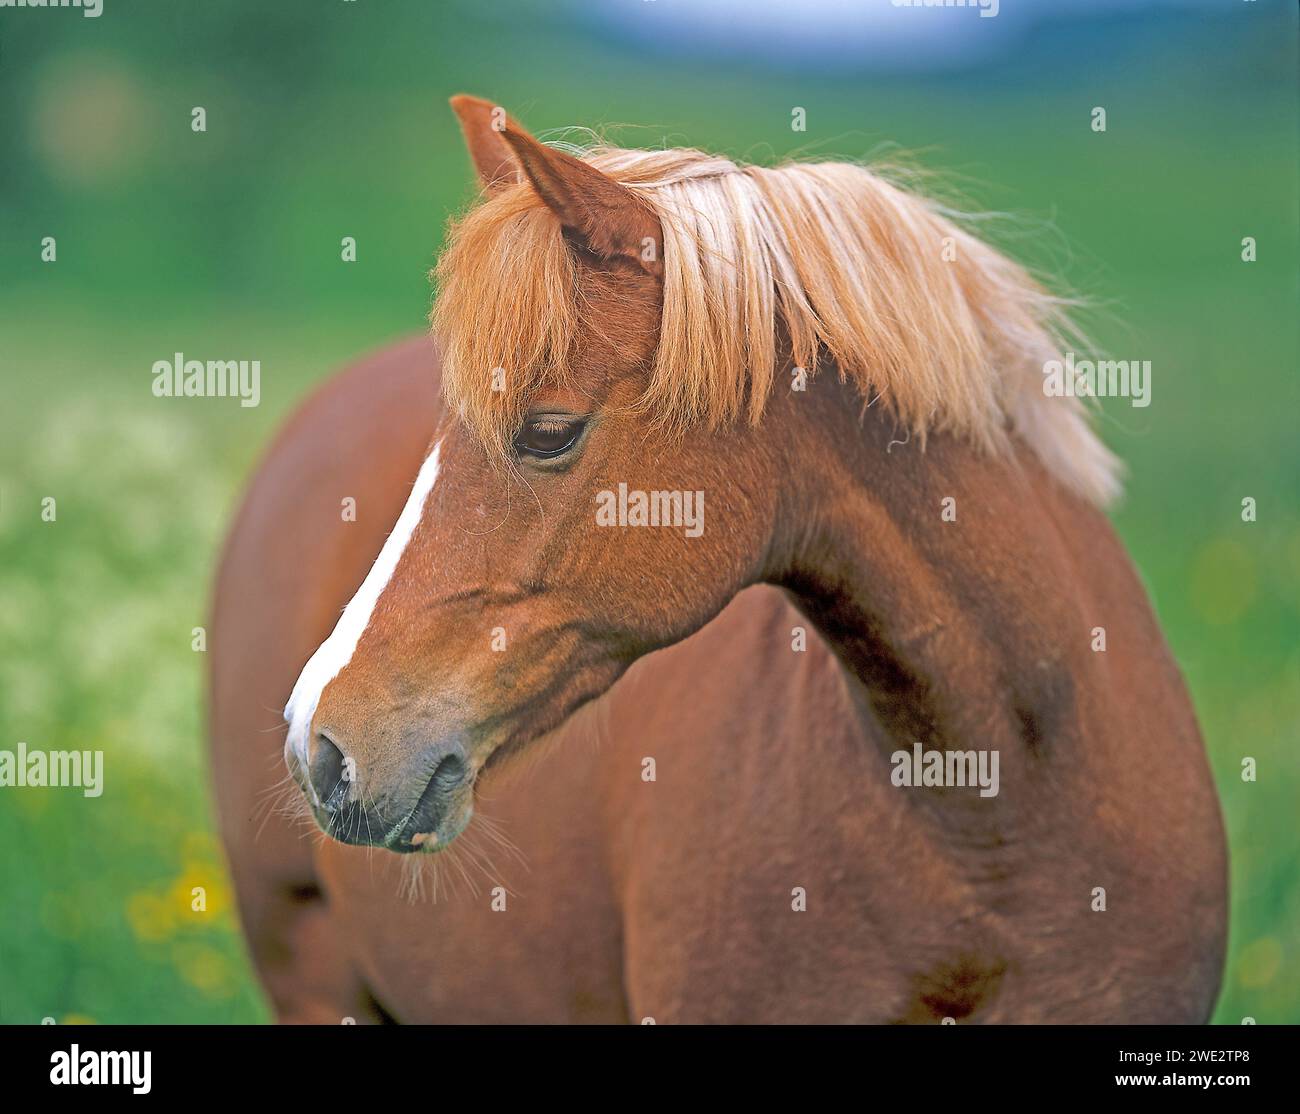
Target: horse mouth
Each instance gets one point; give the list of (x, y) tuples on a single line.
[(431, 842), (443, 811)]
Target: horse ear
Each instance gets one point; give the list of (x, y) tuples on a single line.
[(603, 215), (483, 125)]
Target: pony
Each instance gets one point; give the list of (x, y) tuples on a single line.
[(883, 730)]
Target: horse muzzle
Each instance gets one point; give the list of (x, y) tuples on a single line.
[(422, 810)]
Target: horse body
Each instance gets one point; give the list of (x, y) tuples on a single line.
[(658, 768), (771, 872)]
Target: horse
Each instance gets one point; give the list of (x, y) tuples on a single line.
[(726, 628)]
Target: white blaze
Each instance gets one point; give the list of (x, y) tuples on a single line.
[(336, 651)]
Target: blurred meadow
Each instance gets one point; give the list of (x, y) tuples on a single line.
[(329, 119)]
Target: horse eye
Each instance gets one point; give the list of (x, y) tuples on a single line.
[(548, 437)]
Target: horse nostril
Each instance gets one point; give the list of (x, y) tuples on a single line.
[(450, 772), (447, 777), (330, 773)]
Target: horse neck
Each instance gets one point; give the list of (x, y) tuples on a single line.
[(959, 628)]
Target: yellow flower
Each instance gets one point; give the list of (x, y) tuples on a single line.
[(1259, 962), (151, 918), (1223, 581), (205, 969), (200, 894)]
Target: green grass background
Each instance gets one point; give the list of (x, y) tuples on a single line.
[(330, 119)]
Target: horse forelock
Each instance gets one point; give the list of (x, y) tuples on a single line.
[(829, 258)]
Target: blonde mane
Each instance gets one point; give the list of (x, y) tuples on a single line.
[(846, 268)]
